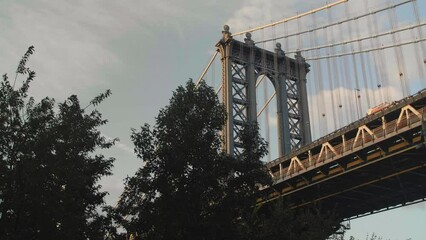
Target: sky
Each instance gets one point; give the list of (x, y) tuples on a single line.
[(142, 50)]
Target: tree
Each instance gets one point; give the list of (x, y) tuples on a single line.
[(49, 171), (279, 221), (189, 188)]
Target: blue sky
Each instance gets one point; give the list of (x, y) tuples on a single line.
[(142, 50)]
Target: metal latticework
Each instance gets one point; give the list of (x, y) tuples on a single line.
[(293, 109), (242, 64), (239, 102)]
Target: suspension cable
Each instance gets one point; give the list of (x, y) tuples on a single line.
[(213, 71), (338, 22), (358, 39), (206, 68), (291, 18), (368, 50), (260, 81), (218, 90), (266, 104)]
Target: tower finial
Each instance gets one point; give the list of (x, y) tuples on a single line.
[(278, 49), (248, 39), (226, 34), (298, 56)]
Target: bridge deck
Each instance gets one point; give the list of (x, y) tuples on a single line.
[(373, 164)]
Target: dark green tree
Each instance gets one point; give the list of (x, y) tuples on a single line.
[(278, 221), (49, 170), (188, 188)]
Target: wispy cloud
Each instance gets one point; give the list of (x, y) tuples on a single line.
[(119, 145), (124, 147)]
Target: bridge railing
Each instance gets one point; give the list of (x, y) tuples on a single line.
[(328, 152)]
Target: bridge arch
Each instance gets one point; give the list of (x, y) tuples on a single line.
[(267, 113)]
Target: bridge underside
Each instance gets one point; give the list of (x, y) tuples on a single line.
[(384, 184), (397, 180)]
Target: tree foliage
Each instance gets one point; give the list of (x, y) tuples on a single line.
[(188, 188), (49, 172), (279, 221)]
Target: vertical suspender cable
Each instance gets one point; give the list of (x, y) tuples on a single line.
[(398, 53), (339, 73), (355, 69), (315, 116), (273, 46), (265, 96), (401, 53), (286, 33), (300, 46), (323, 128), (363, 71), (375, 55), (419, 60), (385, 83), (330, 79), (416, 14), (347, 81), (299, 37), (420, 55), (274, 42), (369, 65), (336, 76)]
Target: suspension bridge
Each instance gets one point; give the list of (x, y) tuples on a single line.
[(338, 92)]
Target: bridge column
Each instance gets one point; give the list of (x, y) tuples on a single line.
[(303, 69), (251, 83), (284, 143), (226, 52)]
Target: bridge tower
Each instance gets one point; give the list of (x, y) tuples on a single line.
[(242, 64)]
